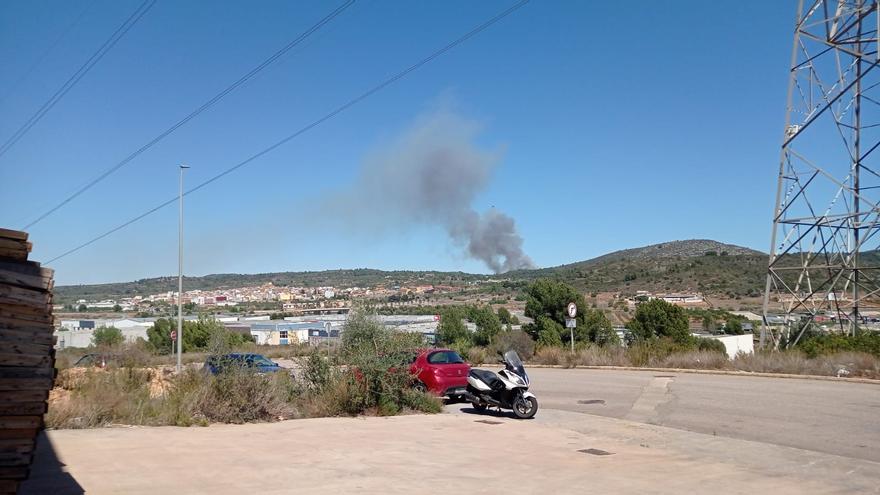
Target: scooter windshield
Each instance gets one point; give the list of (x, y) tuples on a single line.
[(515, 364)]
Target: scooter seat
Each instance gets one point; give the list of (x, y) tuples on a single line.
[(487, 377)]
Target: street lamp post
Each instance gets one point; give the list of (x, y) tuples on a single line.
[(180, 271)]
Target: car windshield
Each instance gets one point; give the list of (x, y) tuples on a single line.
[(257, 360)]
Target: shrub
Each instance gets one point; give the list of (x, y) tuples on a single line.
[(710, 344), (658, 318), (476, 355), (549, 355), (379, 358), (515, 340), (107, 337), (316, 372), (593, 355), (816, 344), (645, 352)]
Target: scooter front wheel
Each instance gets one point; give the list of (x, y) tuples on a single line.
[(525, 407), (478, 406)]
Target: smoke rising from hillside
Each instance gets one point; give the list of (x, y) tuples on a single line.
[(431, 175)]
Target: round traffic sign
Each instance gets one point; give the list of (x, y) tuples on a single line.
[(572, 310)]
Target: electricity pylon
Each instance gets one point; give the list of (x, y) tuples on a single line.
[(824, 270)]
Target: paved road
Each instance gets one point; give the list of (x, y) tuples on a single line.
[(831, 417)]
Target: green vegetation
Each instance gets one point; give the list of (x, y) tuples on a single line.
[(820, 344), (657, 318), (672, 266), (718, 320), (546, 301), (197, 335), (373, 380), (107, 337)]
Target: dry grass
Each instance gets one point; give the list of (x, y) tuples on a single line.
[(549, 356), (144, 396), (845, 364), (697, 360)]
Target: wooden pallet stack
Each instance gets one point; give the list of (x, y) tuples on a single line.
[(27, 355)]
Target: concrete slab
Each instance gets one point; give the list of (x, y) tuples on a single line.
[(435, 454)]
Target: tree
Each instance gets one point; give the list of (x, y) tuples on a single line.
[(117, 308), (547, 302), (197, 335), (549, 332), (734, 327), (107, 337), (597, 328), (488, 324), (658, 318), (506, 317), (549, 298), (82, 308), (451, 328)]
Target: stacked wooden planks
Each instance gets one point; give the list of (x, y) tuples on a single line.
[(27, 355)]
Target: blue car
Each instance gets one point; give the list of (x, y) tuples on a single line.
[(251, 362)]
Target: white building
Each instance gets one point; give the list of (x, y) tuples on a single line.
[(733, 344)]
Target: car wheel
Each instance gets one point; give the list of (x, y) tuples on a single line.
[(420, 387)]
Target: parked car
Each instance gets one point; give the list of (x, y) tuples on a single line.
[(251, 362), (441, 372), (97, 360)]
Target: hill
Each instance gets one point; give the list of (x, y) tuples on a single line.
[(697, 265), (691, 265)]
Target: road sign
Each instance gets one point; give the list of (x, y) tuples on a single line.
[(173, 335), (570, 323), (571, 310)]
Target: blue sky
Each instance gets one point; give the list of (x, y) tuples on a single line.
[(623, 124)]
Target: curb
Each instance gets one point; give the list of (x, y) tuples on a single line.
[(869, 381)]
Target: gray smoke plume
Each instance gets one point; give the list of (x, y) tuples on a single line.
[(430, 175)]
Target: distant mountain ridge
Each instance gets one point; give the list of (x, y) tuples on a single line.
[(684, 249), (697, 264)]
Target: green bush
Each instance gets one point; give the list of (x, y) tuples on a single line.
[(818, 344), (709, 344), (198, 335), (658, 318), (107, 337), (379, 360)]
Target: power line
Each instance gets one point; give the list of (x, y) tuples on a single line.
[(208, 104), (303, 130), (75, 78), (48, 50)]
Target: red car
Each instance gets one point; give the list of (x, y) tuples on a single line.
[(441, 371)]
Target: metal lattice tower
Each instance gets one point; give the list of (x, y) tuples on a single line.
[(823, 265)]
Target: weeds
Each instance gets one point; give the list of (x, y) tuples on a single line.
[(669, 355), (376, 380)]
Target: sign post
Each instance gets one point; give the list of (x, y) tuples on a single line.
[(570, 321)]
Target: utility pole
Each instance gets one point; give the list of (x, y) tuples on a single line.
[(180, 271)]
